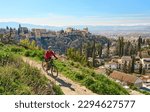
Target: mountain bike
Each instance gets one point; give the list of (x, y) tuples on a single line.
[(52, 69)]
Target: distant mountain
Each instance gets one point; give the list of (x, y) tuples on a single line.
[(121, 28), (30, 26), (138, 28)]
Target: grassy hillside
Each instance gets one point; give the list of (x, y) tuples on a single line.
[(98, 83), (17, 77)]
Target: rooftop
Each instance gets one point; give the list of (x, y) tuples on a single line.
[(126, 58), (123, 77), (145, 54)]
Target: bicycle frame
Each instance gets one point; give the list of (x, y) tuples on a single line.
[(50, 63)]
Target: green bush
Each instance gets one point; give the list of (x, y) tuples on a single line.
[(27, 53), (144, 92), (57, 90), (72, 63), (97, 87), (16, 49), (79, 76), (40, 54), (5, 58), (1, 44), (88, 81), (33, 53)]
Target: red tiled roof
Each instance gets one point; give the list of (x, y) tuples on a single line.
[(123, 77)]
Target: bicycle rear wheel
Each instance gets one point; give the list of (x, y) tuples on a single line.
[(44, 65), (54, 71)]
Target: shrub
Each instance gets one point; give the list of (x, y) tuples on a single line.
[(40, 54), (57, 90), (27, 53), (6, 58), (16, 49), (79, 76), (144, 92), (33, 53), (1, 44), (88, 81), (72, 63)]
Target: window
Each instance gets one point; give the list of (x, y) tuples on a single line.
[(149, 67), (145, 66)]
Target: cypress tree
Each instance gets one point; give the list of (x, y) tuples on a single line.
[(120, 46), (99, 50), (133, 62), (139, 43), (93, 53), (108, 49)]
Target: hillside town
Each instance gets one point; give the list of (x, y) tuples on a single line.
[(125, 60)]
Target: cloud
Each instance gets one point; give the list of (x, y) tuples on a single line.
[(62, 20)]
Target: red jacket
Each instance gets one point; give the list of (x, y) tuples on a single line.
[(49, 54)]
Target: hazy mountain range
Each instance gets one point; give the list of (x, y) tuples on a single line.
[(138, 28)]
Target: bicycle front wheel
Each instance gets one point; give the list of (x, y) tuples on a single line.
[(44, 65), (54, 71)]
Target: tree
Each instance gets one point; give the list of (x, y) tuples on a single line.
[(25, 42), (1, 35), (7, 28), (144, 41), (74, 55), (139, 43), (87, 47), (140, 68), (10, 33), (19, 29), (93, 53), (148, 42), (143, 71), (133, 62), (70, 53), (131, 50), (81, 48), (125, 50), (128, 49), (108, 49), (99, 49), (33, 44), (120, 46)]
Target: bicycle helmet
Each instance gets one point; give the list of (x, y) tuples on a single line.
[(49, 47)]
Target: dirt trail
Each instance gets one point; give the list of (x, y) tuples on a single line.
[(68, 86)]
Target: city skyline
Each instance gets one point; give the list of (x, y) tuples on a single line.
[(78, 12)]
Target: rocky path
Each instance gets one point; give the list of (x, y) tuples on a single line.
[(68, 86)]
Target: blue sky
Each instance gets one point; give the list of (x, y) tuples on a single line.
[(76, 12)]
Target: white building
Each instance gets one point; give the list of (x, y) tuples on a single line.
[(111, 65), (38, 32), (146, 64), (146, 61)]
